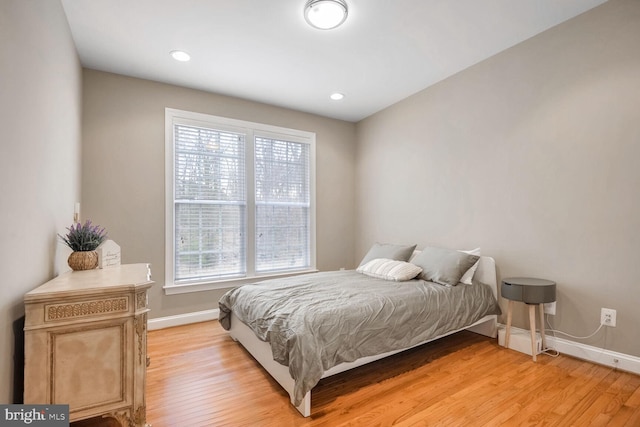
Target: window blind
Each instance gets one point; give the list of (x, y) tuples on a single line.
[(283, 203), (210, 203)]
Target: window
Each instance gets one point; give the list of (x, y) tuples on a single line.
[(210, 203), (240, 201)]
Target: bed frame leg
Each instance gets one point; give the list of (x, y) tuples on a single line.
[(305, 406)]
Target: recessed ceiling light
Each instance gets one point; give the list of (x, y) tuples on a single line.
[(336, 96), (325, 14), (180, 55)]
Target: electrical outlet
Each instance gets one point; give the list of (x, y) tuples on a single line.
[(550, 308), (608, 317)]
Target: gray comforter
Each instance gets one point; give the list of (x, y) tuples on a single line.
[(316, 321)]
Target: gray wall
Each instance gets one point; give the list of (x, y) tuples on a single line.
[(123, 172), (532, 155), (39, 155)]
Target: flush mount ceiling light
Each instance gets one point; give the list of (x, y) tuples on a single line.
[(180, 55), (325, 14), (337, 96)]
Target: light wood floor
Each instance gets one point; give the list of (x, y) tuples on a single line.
[(200, 377)]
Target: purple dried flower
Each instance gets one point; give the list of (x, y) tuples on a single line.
[(84, 237)]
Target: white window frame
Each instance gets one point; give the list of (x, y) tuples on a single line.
[(251, 130)]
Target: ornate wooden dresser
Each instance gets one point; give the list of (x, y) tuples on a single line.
[(86, 343)]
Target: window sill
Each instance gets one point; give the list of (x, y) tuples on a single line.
[(186, 288)]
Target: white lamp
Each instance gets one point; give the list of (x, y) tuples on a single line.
[(325, 14)]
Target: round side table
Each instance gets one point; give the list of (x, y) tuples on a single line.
[(532, 292)]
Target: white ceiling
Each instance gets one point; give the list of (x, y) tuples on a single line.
[(265, 51)]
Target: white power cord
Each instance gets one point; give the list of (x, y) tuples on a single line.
[(569, 335), (556, 353)]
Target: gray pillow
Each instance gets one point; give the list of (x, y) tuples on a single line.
[(388, 251), (443, 266)]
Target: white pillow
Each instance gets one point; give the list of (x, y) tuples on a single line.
[(388, 269), (467, 277)]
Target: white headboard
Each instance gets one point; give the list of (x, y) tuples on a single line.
[(486, 273)]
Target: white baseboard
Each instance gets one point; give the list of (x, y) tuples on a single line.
[(182, 319), (601, 356)]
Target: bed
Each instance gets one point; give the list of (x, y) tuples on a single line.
[(312, 326)]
